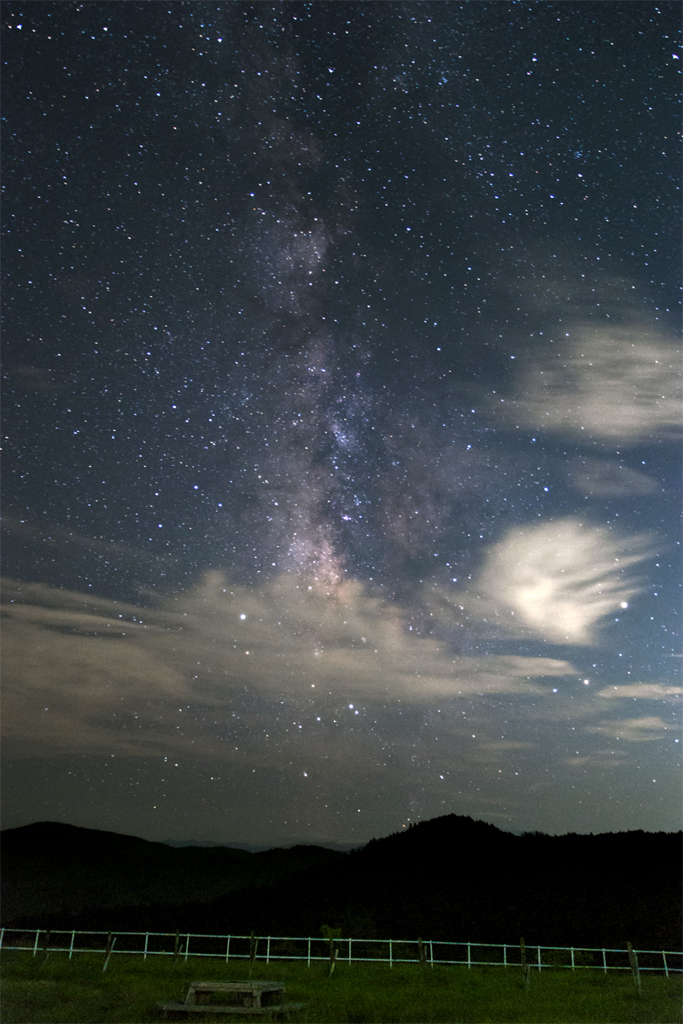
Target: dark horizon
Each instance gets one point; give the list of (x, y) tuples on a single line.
[(341, 847)]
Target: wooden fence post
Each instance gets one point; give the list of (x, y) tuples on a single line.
[(253, 946), (633, 963), (177, 949), (331, 934), (109, 949), (525, 965)]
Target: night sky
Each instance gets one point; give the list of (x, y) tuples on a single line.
[(341, 417)]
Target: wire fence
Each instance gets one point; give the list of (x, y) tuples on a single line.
[(428, 952)]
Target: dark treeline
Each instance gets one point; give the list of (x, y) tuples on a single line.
[(449, 878)]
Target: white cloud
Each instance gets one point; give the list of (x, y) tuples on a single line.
[(557, 580)]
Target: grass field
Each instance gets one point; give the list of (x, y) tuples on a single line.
[(77, 991)]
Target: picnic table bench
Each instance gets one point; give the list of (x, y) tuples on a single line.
[(250, 998)]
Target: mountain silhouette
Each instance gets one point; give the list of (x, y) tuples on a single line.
[(450, 878), (54, 871)]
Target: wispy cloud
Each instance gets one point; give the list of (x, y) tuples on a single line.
[(599, 759), (636, 730), (606, 478), (618, 383), (642, 691)]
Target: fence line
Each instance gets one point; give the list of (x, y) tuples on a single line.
[(246, 947)]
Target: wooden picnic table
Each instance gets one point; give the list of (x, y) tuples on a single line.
[(251, 998)]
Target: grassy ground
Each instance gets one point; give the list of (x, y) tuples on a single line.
[(77, 991)]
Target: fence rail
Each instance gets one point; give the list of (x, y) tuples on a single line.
[(182, 945)]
